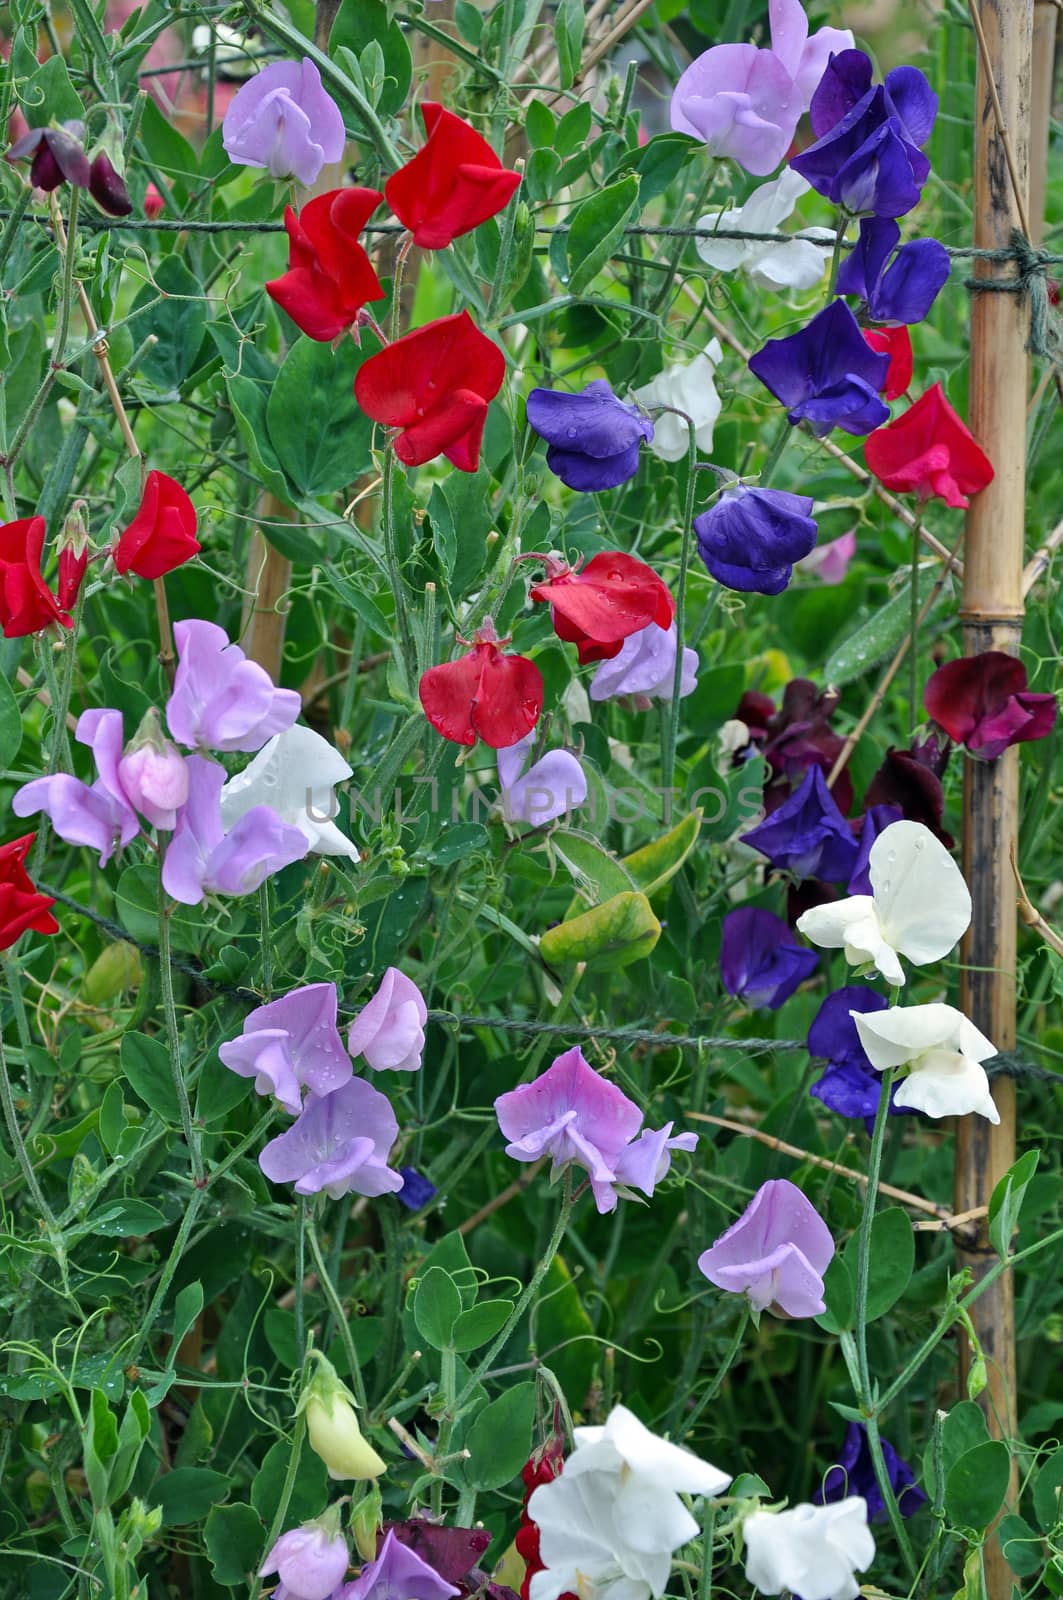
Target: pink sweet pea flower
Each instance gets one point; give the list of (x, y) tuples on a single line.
[(830, 562), (101, 816), (775, 1254), (153, 774), (220, 700), (203, 859), (338, 1143), (291, 1043), (283, 119), (389, 1031)]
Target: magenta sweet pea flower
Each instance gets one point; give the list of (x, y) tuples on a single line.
[(291, 1044), (100, 815), (283, 120), (983, 703), (338, 1143), (389, 1030), (203, 859), (398, 1573), (310, 1561), (552, 786), (220, 700), (644, 668), (775, 1254)]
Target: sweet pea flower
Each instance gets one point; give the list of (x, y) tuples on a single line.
[(27, 605), (389, 1029), (486, 694), (644, 669), (797, 263), (813, 1551), (983, 703), (807, 834), (794, 737), (398, 1573), (593, 437), (202, 858), (899, 290), (283, 119), (826, 374), (895, 342), (310, 1561), (929, 451), (434, 385), (919, 906), (749, 539), (329, 277), (220, 700), (339, 1143), (600, 605), (854, 1473), (22, 906), (73, 553), (868, 153), (153, 774), (332, 1428), (760, 961), (690, 387), (552, 786), (911, 779), (830, 562), (850, 1085), (453, 183), (107, 186), (291, 1044), (58, 154), (943, 1052), (775, 1254), (295, 773), (745, 103), (100, 816), (416, 1189)]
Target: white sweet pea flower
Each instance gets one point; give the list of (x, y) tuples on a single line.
[(797, 264), (943, 1051), (690, 387), (296, 773), (919, 906), (813, 1551)]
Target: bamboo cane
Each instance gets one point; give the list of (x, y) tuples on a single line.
[(992, 615)]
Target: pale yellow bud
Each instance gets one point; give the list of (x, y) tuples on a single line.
[(334, 1434)]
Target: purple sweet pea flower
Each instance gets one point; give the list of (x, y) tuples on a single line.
[(750, 538), (760, 960), (58, 154), (906, 288), (202, 858), (593, 437), (289, 1044), (644, 668), (398, 1573), (283, 119), (551, 787), (775, 1254), (807, 835), (875, 819), (389, 1029), (854, 1473), (826, 374), (339, 1143), (310, 1561), (220, 700), (99, 816), (646, 1160), (416, 1189), (850, 1086), (868, 152)]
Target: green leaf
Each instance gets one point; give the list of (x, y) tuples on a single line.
[(596, 873), (318, 431), (112, 1123), (656, 863), (187, 1494), (436, 1307), (459, 842), (219, 1091), (476, 1326), (1046, 1492), (248, 399), (310, 1493), (126, 1219), (50, 96), (359, 23), (975, 1487), (540, 125), (499, 1440), (1021, 1545), (10, 725), (569, 21), (838, 1295), (136, 902), (177, 321), (875, 639), (658, 163), (891, 1262), (607, 937), (146, 1065), (186, 1308), (234, 1537), (101, 1443), (1005, 1203), (574, 129), (597, 228), (168, 148), (963, 1428)]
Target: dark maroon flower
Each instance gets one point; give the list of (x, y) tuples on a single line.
[(107, 187), (911, 779), (983, 703), (795, 737), (57, 154)]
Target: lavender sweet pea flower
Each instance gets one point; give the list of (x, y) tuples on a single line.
[(644, 668), (750, 538), (826, 374), (868, 152), (202, 858), (850, 1086), (289, 1044), (283, 119), (901, 290), (593, 437), (775, 1254), (552, 786), (99, 816), (339, 1143), (220, 700), (807, 835), (760, 961), (398, 1573), (854, 1473), (389, 1030), (310, 1561), (646, 1160), (876, 818)]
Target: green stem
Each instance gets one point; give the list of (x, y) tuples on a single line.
[(22, 1156), (782, 439), (66, 307), (724, 1368), (131, 1356), (391, 1296), (391, 555), (913, 653), (836, 254), (668, 753), (284, 1500), (11, 227), (267, 943), (708, 1524), (173, 1039), (300, 1276), (332, 1296)]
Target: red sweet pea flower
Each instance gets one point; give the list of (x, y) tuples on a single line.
[(542, 1467), (929, 450), (162, 535), (485, 694), (453, 183), (434, 384), (26, 603), (21, 906), (982, 702), (329, 276), (897, 343), (599, 607)]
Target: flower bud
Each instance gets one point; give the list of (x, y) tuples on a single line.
[(154, 204), (107, 187), (366, 1518), (153, 773), (73, 555), (332, 1426)]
